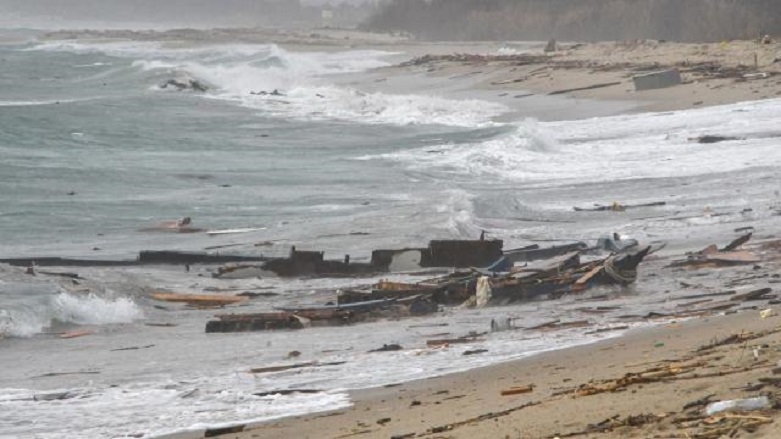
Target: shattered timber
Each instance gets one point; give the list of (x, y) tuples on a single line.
[(484, 275)]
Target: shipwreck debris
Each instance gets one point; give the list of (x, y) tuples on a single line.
[(203, 300), (712, 256)]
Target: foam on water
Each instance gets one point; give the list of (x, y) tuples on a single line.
[(204, 395), (34, 103), (460, 214), (32, 315), (613, 148), (238, 71), (141, 410)]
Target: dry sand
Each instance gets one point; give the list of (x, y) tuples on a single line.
[(712, 74)]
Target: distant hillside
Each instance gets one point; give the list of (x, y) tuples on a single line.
[(585, 20)]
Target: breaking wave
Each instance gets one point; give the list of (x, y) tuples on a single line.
[(624, 147), (35, 315), (460, 214), (291, 84)]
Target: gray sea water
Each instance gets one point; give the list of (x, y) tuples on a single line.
[(93, 150)]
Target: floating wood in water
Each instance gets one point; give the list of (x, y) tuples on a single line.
[(74, 334), (55, 396), (714, 138), (133, 348), (177, 257), (460, 340), (580, 284), (474, 352), (558, 324), (286, 392), (608, 329), (598, 309), (256, 322), (713, 256), (759, 294), (68, 275), (534, 253), (698, 296), (328, 310), (616, 207), (56, 374), (197, 299), (733, 257), (294, 366), (737, 242), (386, 290)]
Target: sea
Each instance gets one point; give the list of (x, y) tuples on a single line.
[(333, 150)]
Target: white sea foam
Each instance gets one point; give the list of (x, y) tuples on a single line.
[(460, 214), (151, 409), (35, 315), (218, 398), (34, 103), (246, 73), (613, 148)]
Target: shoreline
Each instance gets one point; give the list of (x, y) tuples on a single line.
[(469, 404), (599, 73)]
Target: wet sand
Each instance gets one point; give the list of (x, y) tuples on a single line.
[(469, 405)]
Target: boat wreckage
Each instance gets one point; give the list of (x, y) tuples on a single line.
[(547, 273)]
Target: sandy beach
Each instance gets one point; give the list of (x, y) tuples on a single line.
[(469, 405), (652, 383)]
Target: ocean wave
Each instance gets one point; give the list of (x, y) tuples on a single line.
[(288, 84), (459, 211), (624, 147), (334, 103), (38, 313)]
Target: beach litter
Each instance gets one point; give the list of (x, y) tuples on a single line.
[(517, 390)]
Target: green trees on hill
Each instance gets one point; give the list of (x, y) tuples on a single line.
[(678, 20)]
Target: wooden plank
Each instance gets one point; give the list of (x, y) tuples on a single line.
[(197, 299)]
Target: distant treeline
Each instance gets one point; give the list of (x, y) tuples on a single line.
[(276, 13), (584, 20)]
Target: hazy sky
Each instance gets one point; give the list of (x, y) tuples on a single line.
[(149, 13)]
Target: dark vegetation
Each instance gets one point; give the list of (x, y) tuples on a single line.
[(584, 20)]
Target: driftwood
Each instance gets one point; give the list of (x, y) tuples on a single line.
[(449, 341), (197, 299), (484, 417), (286, 392), (759, 294), (616, 207), (650, 375), (712, 256), (517, 390), (270, 369)]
